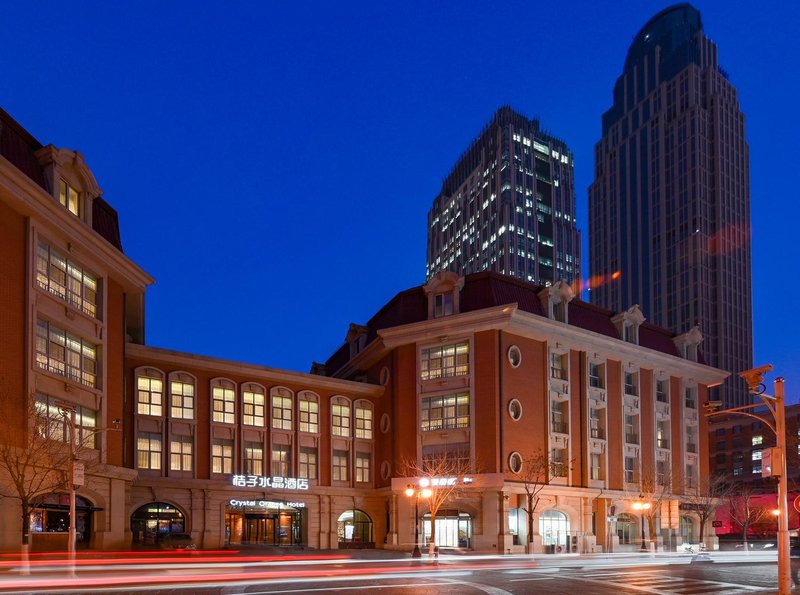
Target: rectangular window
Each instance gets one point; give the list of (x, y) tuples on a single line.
[(340, 465), (52, 424), (363, 422), (758, 439), (253, 412), (558, 366), (691, 398), (662, 473), (222, 456), (691, 439), (558, 459), (340, 415), (70, 198), (223, 400), (632, 429), (58, 275), (281, 460), (148, 449), (445, 411), (630, 470), (150, 395), (596, 470), (597, 376), (662, 391), (307, 464), (309, 416), (180, 453), (662, 434), (444, 361), (596, 425), (691, 476), (757, 455), (65, 354), (281, 412), (558, 417), (631, 383), (442, 305), (362, 467), (182, 399), (253, 458)]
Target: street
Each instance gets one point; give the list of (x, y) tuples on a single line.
[(232, 573)]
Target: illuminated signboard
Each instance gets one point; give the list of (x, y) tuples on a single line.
[(264, 504), (278, 483)]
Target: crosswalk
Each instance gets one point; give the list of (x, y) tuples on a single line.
[(661, 583)]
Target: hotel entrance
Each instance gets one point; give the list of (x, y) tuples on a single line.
[(264, 522)]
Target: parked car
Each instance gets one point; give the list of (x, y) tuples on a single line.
[(177, 541)]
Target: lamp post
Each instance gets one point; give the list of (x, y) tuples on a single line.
[(415, 492), (642, 505), (775, 405)]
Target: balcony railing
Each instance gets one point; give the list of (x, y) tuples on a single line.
[(662, 443), (691, 447), (632, 438), (559, 427), (598, 433)]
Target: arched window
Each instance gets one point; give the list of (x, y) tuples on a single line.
[(554, 529), (253, 399), (151, 522), (627, 528), (354, 526), (281, 401), (364, 419), (149, 391), (340, 417), (308, 411), (50, 514), (223, 401), (181, 395)]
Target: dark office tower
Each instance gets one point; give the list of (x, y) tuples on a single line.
[(508, 205), (669, 209)]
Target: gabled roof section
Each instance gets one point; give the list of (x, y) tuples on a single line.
[(19, 147)]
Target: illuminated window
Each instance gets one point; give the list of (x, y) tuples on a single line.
[(253, 412), (222, 456), (180, 451), (307, 463), (309, 412), (70, 198), (65, 354), (363, 420), (281, 409), (281, 460), (559, 366), (444, 361), (51, 423), (340, 416), (60, 276), (442, 305), (182, 397), (362, 467), (339, 466), (757, 455), (253, 458), (758, 439), (662, 391), (148, 450), (223, 400), (444, 411), (149, 394)]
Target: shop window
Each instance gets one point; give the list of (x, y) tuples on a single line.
[(151, 522), (354, 526)]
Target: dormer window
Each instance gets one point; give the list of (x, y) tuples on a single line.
[(688, 343), (356, 338), (555, 300), (442, 291), (70, 198), (628, 323)]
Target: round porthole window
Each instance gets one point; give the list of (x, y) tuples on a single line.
[(386, 470), (384, 377), (515, 409), (514, 356), (515, 462), (385, 423)]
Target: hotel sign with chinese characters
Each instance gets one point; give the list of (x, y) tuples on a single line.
[(276, 483)]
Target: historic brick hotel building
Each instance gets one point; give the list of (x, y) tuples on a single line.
[(484, 369)]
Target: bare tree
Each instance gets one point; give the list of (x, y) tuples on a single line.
[(443, 474), (33, 457), (536, 472), (744, 510), (707, 498), (656, 488)]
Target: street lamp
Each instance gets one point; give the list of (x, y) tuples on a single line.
[(642, 505), (76, 471), (775, 405), (412, 491)]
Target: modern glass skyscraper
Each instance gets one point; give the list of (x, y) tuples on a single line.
[(508, 206), (669, 208)]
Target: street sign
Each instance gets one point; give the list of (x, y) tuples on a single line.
[(613, 519), (78, 478)]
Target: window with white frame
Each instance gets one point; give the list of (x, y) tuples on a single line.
[(363, 420), (180, 453), (281, 460), (444, 412), (148, 450), (558, 462), (443, 304), (759, 439), (597, 426), (223, 400), (149, 393), (281, 409), (630, 470), (60, 276), (691, 438), (340, 419), (691, 397), (662, 433), (596, 466), (65, 354), (339, 465), (631, 429), (253, 409), (253, 458), (181, 390), (308, 410), (222, 456), (662, 391), (307, 463), (662, 472), (362, 467), (559, 365), (691, 475), (632, 383), (597, 375), (444, 361), (52, 424), (70, 198), (558, 416)]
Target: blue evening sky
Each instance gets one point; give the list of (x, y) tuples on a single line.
[(273, 162)]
